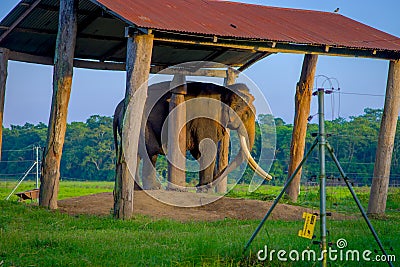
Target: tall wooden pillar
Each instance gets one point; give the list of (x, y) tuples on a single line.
[(223, 149), (62, 82), (138, 59), (302, 111), (383, 158), (4, 53), (177, 135)]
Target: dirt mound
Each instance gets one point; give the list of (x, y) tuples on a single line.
[(101, 204)]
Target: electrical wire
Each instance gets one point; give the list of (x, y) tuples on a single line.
[(10, 161), (15, 150)]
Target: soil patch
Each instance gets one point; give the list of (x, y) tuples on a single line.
[(234, 208)]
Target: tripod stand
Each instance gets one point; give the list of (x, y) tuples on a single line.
[(322, 145)]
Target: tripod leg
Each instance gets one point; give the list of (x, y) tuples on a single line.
[(346, 180), (280, 195)]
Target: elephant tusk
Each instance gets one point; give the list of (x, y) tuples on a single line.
[(253, 164)]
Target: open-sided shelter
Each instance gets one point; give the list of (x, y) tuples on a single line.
[(142, 37)]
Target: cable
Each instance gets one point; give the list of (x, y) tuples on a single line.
[(15, 150), (11, 174), (361, 94), (28, 160)]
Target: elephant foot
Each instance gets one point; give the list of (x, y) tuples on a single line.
[(155, 185), (176, 188), (207, 188)]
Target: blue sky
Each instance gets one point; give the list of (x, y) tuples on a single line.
[(29, 87)]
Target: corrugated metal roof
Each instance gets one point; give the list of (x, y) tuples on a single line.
[(238, 20), (184, 31)]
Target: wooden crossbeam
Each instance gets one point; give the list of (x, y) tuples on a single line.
[(200, 72), (275, 47), (117, 66), (215, 54)]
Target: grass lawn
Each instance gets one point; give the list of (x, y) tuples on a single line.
[(32, 236)]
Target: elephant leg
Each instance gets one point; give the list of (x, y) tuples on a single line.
[(149, 174), (207, 168), (206, 174)]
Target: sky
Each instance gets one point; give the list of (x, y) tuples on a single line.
[(361, 81)]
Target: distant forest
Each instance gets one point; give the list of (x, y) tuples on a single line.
[(89, 149)]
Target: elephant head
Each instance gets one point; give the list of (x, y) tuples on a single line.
[(240, 116)]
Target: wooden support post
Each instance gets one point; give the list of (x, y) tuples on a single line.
[(383, 158), (223, 149), (177, 135), (302, 111), (62, 82), (4, 53), (138, 59)]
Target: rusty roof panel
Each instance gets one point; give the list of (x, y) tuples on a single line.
[(101, 32), (238, 20)]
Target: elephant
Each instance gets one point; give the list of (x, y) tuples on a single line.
[(237, 113)]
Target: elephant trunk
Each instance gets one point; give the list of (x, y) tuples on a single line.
[(246, 133), (250, 127)]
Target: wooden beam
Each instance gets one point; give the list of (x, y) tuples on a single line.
[(78, 63), (257, 58), (302, 111), (3, 79), (62, 83), (384, 151), (138, 59), (223, 149), (215, 54), (198, 72), (96, 65), (177, 135), (18, 21), (29, 58), (275, 47), (116, 66)]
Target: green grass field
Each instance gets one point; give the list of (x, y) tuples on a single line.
[(32, 236)]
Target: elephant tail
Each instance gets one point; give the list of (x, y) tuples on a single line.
[(115, 137), (117, 127)]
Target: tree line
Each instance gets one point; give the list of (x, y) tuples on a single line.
[(89, 153)]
